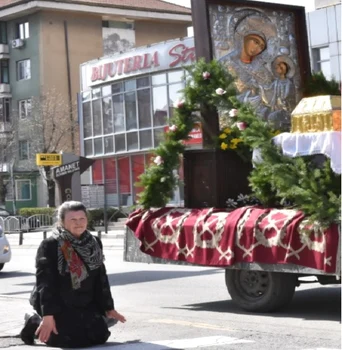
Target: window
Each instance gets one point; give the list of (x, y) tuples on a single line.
[(25, 109), (23, 190), (23, 150), (4, 71), (5, 110), (321, 61), (117, 24), (23, 30), (24, 70), (3, 33)]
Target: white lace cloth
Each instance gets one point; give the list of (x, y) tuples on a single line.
[(298, 144)]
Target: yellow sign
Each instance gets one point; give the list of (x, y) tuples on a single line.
[(46, 159)]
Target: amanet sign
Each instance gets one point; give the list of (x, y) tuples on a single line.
[(162, 56)]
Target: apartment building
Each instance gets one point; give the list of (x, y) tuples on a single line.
[(42, 44)]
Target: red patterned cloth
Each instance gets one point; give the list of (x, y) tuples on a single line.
[(214, 237)]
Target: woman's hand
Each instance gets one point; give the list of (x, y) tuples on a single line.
[(116, 315), (45, 328)]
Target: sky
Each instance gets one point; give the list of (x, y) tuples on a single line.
[(309, 4)]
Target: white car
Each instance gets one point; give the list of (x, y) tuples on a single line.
[(5, 249)]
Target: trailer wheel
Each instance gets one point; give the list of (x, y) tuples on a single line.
[(1, 266), (260, 291)]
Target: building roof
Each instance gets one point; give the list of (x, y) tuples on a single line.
[(150, 5)]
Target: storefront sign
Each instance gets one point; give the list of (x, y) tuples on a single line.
[(162, 56), (48, 159), (67, 169), (195, 135)]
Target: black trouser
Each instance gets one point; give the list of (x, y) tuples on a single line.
[(79, 328)]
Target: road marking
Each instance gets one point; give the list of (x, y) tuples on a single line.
[(191, 324), (183, 344)]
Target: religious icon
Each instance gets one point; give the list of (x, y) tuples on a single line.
[(258, 47)]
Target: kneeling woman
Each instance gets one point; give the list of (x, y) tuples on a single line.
[(72, 294)]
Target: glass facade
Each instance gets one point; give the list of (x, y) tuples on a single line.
[(131, 115)]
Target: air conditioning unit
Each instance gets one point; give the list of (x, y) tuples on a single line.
[(17, 43)]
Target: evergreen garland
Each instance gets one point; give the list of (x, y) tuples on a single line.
[(277, 181)]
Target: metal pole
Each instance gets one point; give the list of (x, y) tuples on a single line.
[(44, 235), (21, 238), (99, 234)]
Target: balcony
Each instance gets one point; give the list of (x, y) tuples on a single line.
[(4, 51), (5, 89)]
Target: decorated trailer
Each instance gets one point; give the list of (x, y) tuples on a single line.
[(262, 199)]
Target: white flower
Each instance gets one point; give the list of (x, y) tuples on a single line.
[(231, 203), (243, 198), (206, 75), (173, 127), (179, 104), (158, 160), (220, 91), (233, 113)]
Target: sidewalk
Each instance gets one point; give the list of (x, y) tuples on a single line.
[(31, 240)]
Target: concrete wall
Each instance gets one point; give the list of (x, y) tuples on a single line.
[(327, 34), (84, 34), (148, 32)]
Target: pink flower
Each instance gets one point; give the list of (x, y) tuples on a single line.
[(233, 113), (241, 125), (173, 127), (179, 104), (206, 75), (158, 160), (220, 91)]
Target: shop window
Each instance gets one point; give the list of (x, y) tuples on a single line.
[(86, 96), (144, 108), (138, 168), (88, 147), (159, 136), (174, 95), (97, 172), (23, 150), (106, 90), (24, 70), (98, 146), (23, 30), (87, 123), (5, 110), (110, 175), (120, 143), (321, 61), (25, 108), (143, 82), (3, 33), (175, 76), (108, 126), (96, 93), (145, 139), (131, 111), (160, 106), (130, 85), (97, 122), (23, 190), (124, 181), (118, 113), (117, 88), (4, 72), (159, 79), (108, 144), (132, 141)]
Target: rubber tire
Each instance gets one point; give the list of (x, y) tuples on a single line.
[(1, 266), (279, 293)]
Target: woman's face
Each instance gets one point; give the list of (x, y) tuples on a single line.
[(254, 45), (281, 69), (75, 222)]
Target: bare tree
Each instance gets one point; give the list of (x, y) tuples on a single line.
[(50, 128)]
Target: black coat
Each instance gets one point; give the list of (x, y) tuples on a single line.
[(78, 312)]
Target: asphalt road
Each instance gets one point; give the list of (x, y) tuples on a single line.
[(181, 307)]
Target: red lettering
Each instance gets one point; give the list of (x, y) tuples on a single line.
[(182, 54), (111, 69), (146, 61), (119, 66), (95, 74), (127, 65), (104, 72), (137, 61), (155, 59)]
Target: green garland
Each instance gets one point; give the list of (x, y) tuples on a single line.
[(274, 182)]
